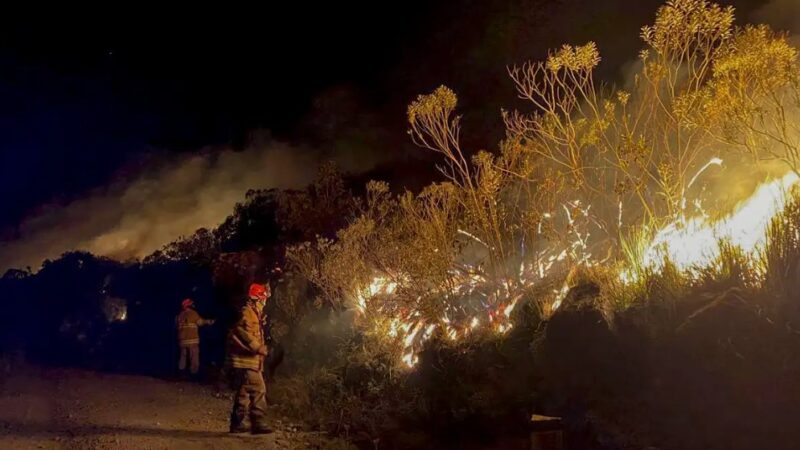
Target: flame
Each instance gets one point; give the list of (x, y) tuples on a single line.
[(508, 309), (379, 285), (692, 244), (474, 324), (688, 243), (492, 301), (561, 294)]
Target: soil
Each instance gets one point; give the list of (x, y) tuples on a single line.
[(46, 408)]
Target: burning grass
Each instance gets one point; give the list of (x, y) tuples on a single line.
[(627, 190), (617, 361), (590, 177)]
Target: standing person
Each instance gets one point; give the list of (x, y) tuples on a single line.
[(246, 352), (187, 324)]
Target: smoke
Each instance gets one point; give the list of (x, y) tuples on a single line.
[(783, 15), (162, 202)]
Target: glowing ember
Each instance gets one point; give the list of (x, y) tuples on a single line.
[(560, 296), (689, 243), (487, 300), (475, 323), (410, 359), (115, 309), (508, 309)]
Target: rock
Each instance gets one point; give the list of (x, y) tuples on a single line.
[(582, 295)]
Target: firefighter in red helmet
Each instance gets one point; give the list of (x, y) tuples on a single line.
[(246, 352), (187, 324)]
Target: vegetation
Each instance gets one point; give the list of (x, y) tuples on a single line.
[(592, 267), (578, 194)]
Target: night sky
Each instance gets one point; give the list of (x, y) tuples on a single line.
[(86, 96), (82, 96)]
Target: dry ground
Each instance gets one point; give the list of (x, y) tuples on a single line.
[(76, 409)]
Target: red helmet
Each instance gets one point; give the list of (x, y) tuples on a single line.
[(258, 291), (187, 302)]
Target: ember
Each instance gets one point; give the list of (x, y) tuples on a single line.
[(589, 180)]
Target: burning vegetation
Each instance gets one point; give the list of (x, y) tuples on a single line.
[(593, 183), (626, 259), (666, 206)]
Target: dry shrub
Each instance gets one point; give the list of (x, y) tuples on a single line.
[(584, 178), (360, 395), (781, 260)]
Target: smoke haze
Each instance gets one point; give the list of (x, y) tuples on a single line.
[(173, 198), (783, 15), (162, 202)]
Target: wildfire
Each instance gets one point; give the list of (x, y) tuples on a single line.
[(411, 332), (694, 243), (496, 299), (690, 243)]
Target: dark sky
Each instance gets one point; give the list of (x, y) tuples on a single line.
[(84, 94), (80, 95)]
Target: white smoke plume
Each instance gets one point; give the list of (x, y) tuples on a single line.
[(134, 218)]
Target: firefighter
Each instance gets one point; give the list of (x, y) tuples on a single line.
[(187, 323), (246, 352)]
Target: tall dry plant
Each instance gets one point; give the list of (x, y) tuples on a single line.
[(752, 102), (631, 153), (586, 168)]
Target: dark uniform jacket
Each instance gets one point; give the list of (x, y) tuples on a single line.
[(187, 322), (245, 340)]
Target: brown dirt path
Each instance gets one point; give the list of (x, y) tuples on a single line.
[(75, 409)]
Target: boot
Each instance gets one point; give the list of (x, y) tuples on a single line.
[(261, 429), (238, 425), (239, 428)]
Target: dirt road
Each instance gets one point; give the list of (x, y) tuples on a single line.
[(75, 409)]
